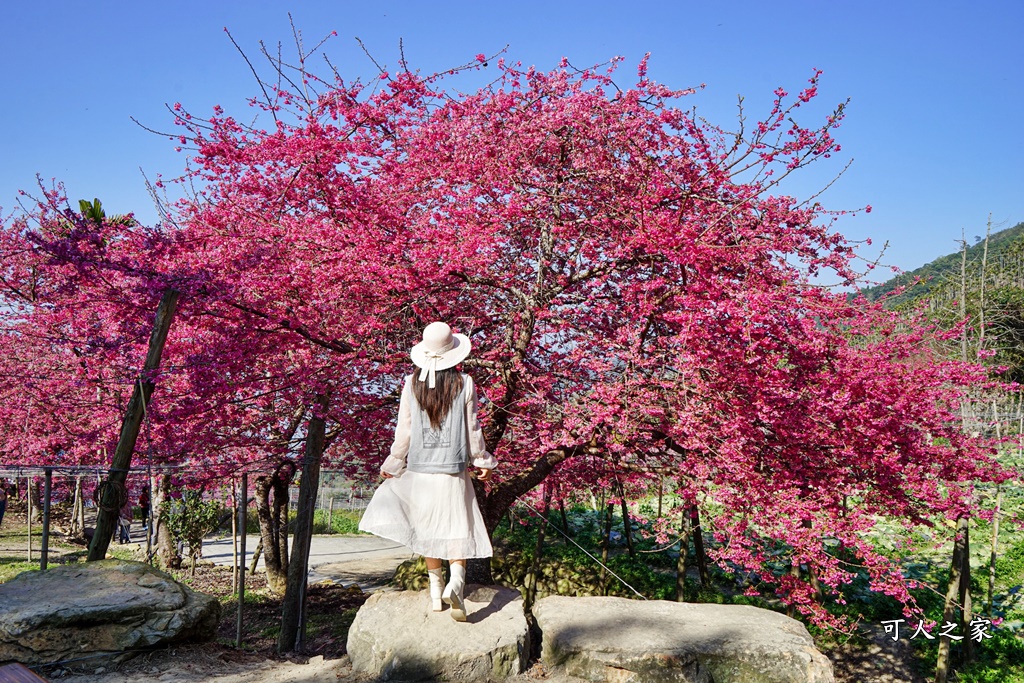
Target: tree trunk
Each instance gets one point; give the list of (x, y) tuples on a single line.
[(685, 532), (34, 498), (496, 500), (478, 569), (698, 547), (272, 511), (256, 555), (606, 542), (794, 571), (965, 598), (293, 607), (627, 528), (661, 492), (995, 548), (952, 591), (107, 510), (531, 589), (166, 548)]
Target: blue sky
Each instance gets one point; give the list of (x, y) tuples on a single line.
[(934, 126)]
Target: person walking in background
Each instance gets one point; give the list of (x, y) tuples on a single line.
[(144, 506), (3, 500), (125, 522), (427, 501)]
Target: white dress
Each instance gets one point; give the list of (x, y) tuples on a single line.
[(433, 514)]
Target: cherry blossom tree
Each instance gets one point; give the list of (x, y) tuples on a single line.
[(641, 297)]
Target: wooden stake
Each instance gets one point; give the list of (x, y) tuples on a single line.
[(234, 544), (109, 507), (44, 551), (243, 523), (28, 513), (293, 608)]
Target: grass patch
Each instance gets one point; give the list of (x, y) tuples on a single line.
[(10, 568)]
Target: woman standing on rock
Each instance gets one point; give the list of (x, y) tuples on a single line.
[(427, 500)]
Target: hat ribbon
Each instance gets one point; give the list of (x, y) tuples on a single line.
[(430, 368)]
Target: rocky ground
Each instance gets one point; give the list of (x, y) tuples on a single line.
[(332, 608)]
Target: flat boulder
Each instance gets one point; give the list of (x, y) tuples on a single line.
[(396, 637), (620, 640), (98, 609)]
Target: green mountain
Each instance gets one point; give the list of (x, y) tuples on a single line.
[(945, 268)]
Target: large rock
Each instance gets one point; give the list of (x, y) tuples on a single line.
[(619, 640), (396, 637), (98, 608)]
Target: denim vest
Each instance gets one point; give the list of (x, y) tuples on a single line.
[(443, 450)]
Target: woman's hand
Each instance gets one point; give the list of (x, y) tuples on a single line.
[(482, 474), (386, 475)]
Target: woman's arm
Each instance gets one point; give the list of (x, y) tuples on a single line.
[(478, 454), (394, 465)]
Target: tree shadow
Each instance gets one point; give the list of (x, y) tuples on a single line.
[(494, 597)]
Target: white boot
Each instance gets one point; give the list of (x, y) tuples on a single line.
[(436, 577), (453, 592)]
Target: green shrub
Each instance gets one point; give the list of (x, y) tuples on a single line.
[(1000, 659), (191, 519)]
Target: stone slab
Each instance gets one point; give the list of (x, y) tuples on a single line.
[(620, 640), (396, 637), (98, 608)]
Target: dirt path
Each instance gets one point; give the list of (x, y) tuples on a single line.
[(199, 663), (367, 561)]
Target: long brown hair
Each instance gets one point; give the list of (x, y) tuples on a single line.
[(437, 401)]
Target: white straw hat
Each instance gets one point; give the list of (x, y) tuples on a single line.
[(440, 349)]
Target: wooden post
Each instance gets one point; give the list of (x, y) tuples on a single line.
[(108, 508), (148, 521), (44, 551), (75, 529), (28, 513), (319, 496), (293, 612), (330, 516), (243, 504), (234, 543), (80, 508)]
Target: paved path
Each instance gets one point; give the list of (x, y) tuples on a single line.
[(368, 561)]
